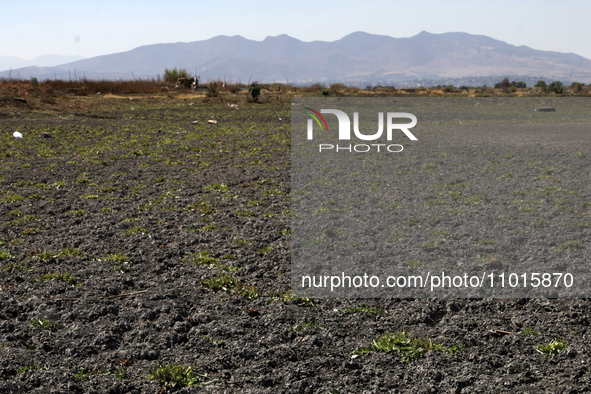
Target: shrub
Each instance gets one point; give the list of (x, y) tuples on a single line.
[(540, 84), (449, 89), (213, 89), (555, 87), (255, 91), (171, 76), (325, 92), (338, 87), (316, 86), (577, 87)]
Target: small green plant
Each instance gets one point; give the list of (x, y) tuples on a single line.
[(540, 223), (474, 200), (555, 346), (265, 250), (413, 263), (203, 259), (4, 254), (24, 219), (429, 166), (135, 230), (210, 339), (31, 231), (430, 246), (131, 220), (66, 278), (175, 377), (247, 212), (116, 257), (202, 207), (571, 245), (529, 331), (582, 224), (33, 367), (45, 324), (325, 92), (10, 267), (227, 282), (307, 324), (10, 197), (82, 375), (67, 252), (406, 346), (411, 222), (289, 296)]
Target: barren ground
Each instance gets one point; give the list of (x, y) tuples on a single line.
[(134, 240)]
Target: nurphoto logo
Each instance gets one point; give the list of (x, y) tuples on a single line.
[(344, 132)]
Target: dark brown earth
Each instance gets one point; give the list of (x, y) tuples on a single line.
[(115, 220)]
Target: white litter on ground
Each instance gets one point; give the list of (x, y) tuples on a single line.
[(16, 134)]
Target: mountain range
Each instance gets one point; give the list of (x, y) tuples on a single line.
[(357, 58), (13, 62)]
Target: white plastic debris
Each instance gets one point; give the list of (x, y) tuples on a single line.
[(211, 121), (16, 134), (279, 118), (195, 122)]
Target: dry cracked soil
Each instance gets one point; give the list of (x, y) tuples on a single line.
[(143, 253)]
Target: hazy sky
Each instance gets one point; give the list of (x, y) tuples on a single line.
[(90, 28)]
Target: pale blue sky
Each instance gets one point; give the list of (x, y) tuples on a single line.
[(91, 28)]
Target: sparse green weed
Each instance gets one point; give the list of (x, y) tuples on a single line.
[(406, 346), (555, 346)]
